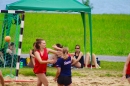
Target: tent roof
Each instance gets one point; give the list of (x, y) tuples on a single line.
[(56, 5), (49, 5)]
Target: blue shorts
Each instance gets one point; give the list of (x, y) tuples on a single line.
[(127, 75)]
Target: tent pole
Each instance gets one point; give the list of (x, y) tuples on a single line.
[(90, 26), (84, 25)]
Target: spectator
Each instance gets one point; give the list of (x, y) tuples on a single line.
[(32, 56), (11, 48), (88, 61), (78, 55), (84, 62), (11, 55)]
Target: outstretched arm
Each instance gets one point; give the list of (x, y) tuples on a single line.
[(57, 48), (52, 51), (37, 56), (59, 53)]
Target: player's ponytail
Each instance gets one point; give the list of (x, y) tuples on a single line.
[(65, 52)]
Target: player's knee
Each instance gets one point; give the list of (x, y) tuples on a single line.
[(45, 83), (87, 54), (93, 55)]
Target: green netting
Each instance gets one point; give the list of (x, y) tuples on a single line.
[(9, 26)]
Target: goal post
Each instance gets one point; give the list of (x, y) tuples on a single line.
[(11, 24)]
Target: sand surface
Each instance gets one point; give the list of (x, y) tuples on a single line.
[(88, 77)]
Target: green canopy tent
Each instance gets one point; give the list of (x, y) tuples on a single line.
[(57, 6)]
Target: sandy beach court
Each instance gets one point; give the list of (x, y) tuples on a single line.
[(88, 77)]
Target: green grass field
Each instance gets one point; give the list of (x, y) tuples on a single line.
[(111, 33), (108, 67), (105, 66)]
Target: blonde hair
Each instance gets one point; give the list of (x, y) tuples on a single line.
[(65, 52)]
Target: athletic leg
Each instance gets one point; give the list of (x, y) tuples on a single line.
[(94, 61), (70, 85), (42, 77), (87, 60), (128, 80), (39, 83)]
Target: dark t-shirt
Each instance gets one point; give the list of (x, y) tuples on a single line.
[(65, 65)]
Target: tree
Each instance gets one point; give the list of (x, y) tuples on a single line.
[(87, 3)]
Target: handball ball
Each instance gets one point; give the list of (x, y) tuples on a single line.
[(7, 38)]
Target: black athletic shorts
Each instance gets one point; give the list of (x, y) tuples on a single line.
[(127, 76), (64, 80)]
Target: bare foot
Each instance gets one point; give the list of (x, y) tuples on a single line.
[(85, 67)]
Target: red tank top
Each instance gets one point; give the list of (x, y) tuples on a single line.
[(128, 69), (41, 68)]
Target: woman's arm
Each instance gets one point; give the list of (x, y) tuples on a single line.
[(79, 57), (37, 56), (52, 51), (33, 61), (57, 73), (31, 53), (59, 53), (57, 48), (75, 63)]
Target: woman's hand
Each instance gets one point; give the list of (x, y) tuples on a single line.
[(51, 61), (123, 78), (55, 79), (54, 46)]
